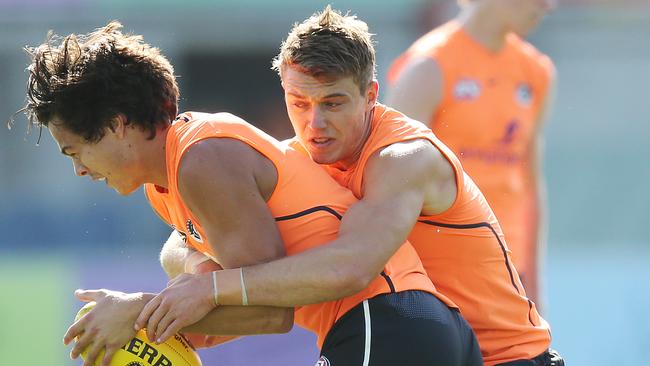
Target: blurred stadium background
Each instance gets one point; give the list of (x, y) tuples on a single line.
[(63, 233)]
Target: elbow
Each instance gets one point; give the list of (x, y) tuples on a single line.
[(287, 321), (361, 281), (353, 280), (281, 322)]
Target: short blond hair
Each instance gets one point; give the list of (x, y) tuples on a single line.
[(330, 45)]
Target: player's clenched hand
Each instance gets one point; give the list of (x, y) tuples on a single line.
[(107, 327), (186, 300)]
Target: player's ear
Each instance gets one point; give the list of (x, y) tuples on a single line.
[(118, 125), (372, 93)]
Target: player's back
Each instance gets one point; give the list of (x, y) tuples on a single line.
[(307, 205)]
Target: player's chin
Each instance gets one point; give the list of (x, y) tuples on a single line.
[(324, 157), (125, 190)]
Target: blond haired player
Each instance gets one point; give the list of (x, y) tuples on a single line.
[(409, 185), (484, 92)]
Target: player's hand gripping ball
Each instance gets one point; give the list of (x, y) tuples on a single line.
[(140, 351)]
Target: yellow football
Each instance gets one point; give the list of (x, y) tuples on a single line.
[(140, 351)]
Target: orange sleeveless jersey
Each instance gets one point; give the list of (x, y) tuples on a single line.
[(307, 205), (463, 250), (488, 116)]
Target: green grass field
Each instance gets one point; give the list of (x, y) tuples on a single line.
[(34, 311)]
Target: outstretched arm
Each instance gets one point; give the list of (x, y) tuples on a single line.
[(109, 325), (397, 181)]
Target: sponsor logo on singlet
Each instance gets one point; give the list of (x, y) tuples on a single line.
[(501, 152), (510, 132), (323, 361), (492, 156), (467, 89), (192, 231), (524, 94), (182, 118)]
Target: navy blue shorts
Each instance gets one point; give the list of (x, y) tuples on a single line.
[(407, 328), (548, 358)]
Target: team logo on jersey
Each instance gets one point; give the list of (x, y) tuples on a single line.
[(181, 117), (509, 134), (193, 232), (524, 94), (135, 363), (323, 361), (467, 89)]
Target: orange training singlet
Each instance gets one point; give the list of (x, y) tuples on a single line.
[(463, 251), (489, 115), (307, 205)]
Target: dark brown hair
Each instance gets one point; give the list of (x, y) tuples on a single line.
[(330, 45), (84, 81)]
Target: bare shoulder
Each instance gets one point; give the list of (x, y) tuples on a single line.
[(218, 151), (417, 89), (423, 66), (420, 71), (415, 165), (226, 161), (418, 154), (415, 160)]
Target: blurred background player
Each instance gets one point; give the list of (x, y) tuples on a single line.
[(485, 91)]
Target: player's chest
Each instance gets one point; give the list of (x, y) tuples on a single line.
[(489, 106)]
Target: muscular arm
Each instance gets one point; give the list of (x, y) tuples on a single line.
[(243, 320), (418, 89), (225, 183), (398, 179)]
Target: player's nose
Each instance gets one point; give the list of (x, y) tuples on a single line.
[(79, 169), (317, 119)]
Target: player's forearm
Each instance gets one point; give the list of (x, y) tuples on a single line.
[(322, 274), (244, 320), (206, 341), (329, 272), (317, 275)]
